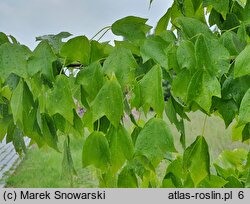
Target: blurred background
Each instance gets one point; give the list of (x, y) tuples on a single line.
[(27, 19)]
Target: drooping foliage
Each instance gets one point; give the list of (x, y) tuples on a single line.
[(200, 48)]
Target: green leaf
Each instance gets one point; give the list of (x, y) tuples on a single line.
[(201, 89), (163, 22), (211, 55), (171, 181), (3, 38), (131, 28), (233, 182), (13, 39), (244, 13), (212, 182), (186, 55), (151, 92), (242, 34), (174, 174), (242, 3), (78, 124), (55, 41), (180, 84), (92, 79), (121, 63), (242, 63), (248, 159), (224, 173), (76, 50), (235, 88), (237, 132), (154, 141), (247, 184), (41, 61), (135, 133), (13, 59), (244, 112), (134, 48), (68, 169), (99, 51), (155, 48), (60, 100), (4, 123), (246, 132), (102, 125), (96, 151), (227, 108), (171, 112), (49, 131), (232, 158), (109, 103), (21, 103), (127, 178), (221, 6), (196, 160), (121, 147), (192, 8), (191, 28), (16, 136), (12, 81), (231, 41)]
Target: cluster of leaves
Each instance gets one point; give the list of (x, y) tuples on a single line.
[(205, 63)]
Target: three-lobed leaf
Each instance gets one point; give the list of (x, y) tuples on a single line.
[(131, 28), (196, 160), (76, 50), (13, 60), (212, 56), (201, 89), (60, 100), (108, 102), (91, 78), (154, 141), (121, 147), (121, 63), (42, 61), (96, 151), (151, 93), (155, 48)]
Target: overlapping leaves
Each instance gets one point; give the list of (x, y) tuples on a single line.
[(42, 94)]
